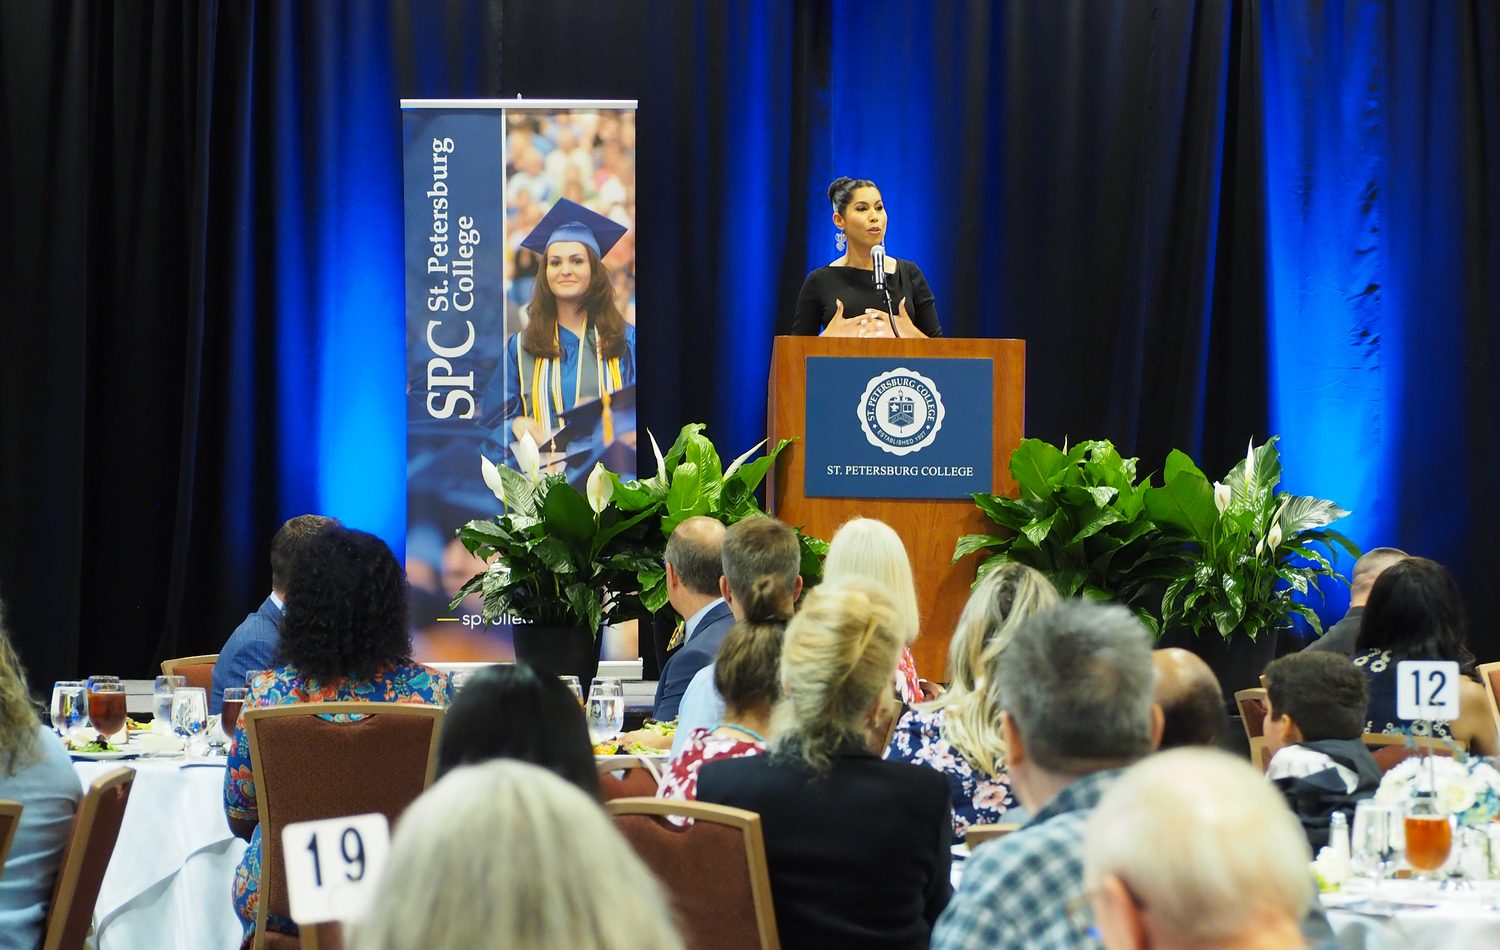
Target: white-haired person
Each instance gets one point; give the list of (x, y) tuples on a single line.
[(506, 855), (959, 732), (858, 848), (1193, 849), (865, 547)]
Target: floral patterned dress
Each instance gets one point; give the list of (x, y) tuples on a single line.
[(977, 798), (403, 683), (908, 685), (1380, 714), (681, 778)]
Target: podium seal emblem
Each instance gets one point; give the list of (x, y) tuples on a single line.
[(901, 411)]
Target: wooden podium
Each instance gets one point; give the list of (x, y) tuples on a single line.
[(930, 528)]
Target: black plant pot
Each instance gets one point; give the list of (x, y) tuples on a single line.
[(1237, 662), (559, 651)]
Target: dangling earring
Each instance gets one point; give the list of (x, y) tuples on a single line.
[(840, 241)]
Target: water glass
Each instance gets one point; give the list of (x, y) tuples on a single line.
[(70, 707), (189, 714), (606, 710), (250, 676), (161, 697), (571, 682), (1377, 839)]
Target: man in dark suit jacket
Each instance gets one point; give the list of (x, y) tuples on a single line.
[(694, 566), (1341, 636), (253, 644)]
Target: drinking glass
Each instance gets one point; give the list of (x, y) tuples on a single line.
[(189, 714), (250, 676), (571, 682), (1429, 836), (70, 708), (161, 697), (229, 719), (606, 710), (1377, 839), (106, 706)]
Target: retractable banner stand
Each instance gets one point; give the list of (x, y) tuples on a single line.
[(495, 346)]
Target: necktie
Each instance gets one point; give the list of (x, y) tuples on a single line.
[(679, 634)]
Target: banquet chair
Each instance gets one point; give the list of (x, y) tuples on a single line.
[(1390, 751), (328, 935), (10, 817), (96, 826), (199, 670), (1252, 705), (1489, 678), (634, 781), (979, 834), (309, 768), (714, 869)]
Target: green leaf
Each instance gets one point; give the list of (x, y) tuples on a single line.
[(1067, 582), (1095, 521), (701, 453), (1303, 512), (684, 499), (556, 555), (1037, 467), (1036, 531), (1186, 501), (567, 514), (970, 543), (1177, 463), (634, 495), (520, 493), (585, 603), (655, 597), (679, 448), (751, 473)]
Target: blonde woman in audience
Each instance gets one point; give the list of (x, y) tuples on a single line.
[(506, 855), (35, 771), (1193, 848), (872, 549), (858, 848), (959, 733)]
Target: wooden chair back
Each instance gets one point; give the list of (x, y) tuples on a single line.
[(1252, 705), (309, 768), (714, 869), (1391, 750), (96, 826), (325, 936), (979, 834), (10, 818), (198, 670), (1489, 677)]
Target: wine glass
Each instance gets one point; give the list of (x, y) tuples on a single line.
[(1377, 839), (606, 710), (161, 698), (106, 706), (1429, 836), (69, 707), (189, 714), (571, 682)]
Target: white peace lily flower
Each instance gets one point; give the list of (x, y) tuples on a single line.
[(735, 465), (600, 488), (1260, 546), (492, 478), (1222, 494), (529, 457), (1273, 537)]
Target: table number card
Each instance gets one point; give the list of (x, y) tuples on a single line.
[(1427, 690), (332, 866)]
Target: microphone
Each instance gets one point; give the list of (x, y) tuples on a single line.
[(877, 257)]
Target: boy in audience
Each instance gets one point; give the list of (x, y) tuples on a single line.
[(1314, 719)]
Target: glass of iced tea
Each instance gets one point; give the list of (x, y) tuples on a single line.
[(106, 706), (1429, 836)]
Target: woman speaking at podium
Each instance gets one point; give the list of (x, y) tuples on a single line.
[(848, 297)]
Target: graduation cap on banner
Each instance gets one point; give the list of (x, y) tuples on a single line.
[(571, 221)]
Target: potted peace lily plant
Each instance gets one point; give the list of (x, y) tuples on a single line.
[(560, 563)]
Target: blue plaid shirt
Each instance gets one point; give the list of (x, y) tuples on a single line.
[(1025, 891)]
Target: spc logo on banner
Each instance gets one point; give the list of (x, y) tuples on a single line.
[(901, 411)]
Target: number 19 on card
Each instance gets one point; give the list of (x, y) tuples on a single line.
[(332, 865)]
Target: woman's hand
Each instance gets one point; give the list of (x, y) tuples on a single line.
[(521, 425), (903, 323), (871, 323)]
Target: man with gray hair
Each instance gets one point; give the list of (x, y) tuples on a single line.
[(1076, 704), (1194, 848), (694, 572), (1341, 636)]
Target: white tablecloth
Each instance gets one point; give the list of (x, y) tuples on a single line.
[(168, 883), (1461, 921)]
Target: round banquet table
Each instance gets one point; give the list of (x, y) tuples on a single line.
[(168, 882), (1458, 921)]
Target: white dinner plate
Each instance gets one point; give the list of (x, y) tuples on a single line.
[(105, 756)]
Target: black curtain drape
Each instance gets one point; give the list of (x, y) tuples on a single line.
[(167, 168)]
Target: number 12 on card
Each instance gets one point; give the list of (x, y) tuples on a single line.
[(1427, 690), (332, 866)]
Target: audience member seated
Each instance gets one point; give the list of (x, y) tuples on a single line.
[(959, 733), (1315, 715), (753, 549), (858, 848), (747, 675), (1074, 690), (1192, 704), (252, 646), (35, 771), (344, 638), (864, 547), (508, 855), (1190, 850), (1341, 637), (694, 562), (1415, 612), (513, 712)]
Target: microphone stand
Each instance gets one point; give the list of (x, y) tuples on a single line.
[(877, 257)]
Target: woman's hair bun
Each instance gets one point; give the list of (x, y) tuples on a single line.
[(838, 183), (769, 600)]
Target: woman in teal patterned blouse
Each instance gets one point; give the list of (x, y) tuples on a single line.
[(344, 637)]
